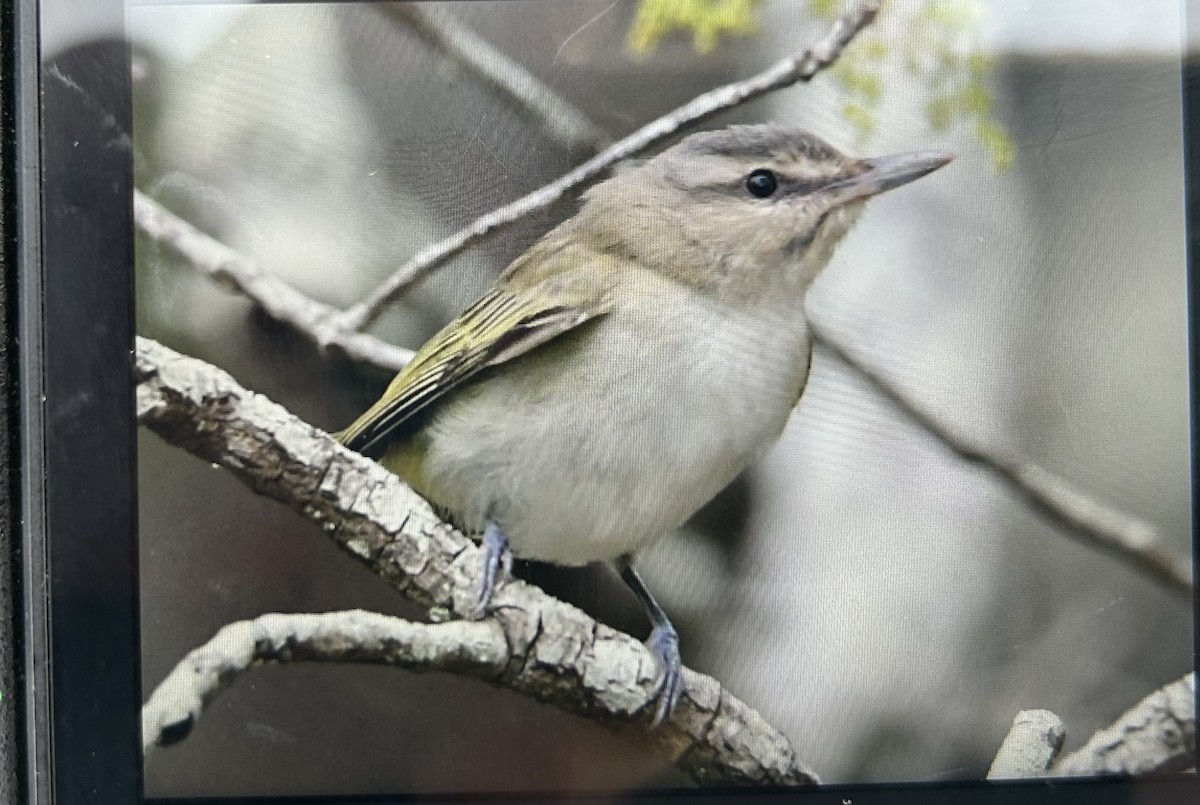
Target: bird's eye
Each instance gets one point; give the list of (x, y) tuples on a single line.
[(761, 183)]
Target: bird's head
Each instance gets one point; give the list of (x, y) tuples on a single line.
[(744, 210)]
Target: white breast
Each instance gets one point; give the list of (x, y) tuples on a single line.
[(662, 404)]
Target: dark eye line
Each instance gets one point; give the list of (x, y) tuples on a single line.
[(720, 190), (781, 185), (802, 187)]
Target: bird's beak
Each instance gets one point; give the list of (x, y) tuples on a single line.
[(882, 174)]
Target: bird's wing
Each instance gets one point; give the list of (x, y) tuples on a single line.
[(507, 322)]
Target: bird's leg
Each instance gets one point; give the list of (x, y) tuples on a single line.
[(663, 644), (497, 566)]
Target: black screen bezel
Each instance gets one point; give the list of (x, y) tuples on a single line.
[(80, 493)]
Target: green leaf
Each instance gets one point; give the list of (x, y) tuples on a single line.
[(826, 9), (976, 100), (940, 112), (997, 142), (860, 117), (937, 47), (706, 20)]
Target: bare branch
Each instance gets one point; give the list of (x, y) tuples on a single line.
[(1129, 539), (1157, 735), (278, 300), (782, 74), (471, 648), (556, 653), (565, 123), (1030, 746)]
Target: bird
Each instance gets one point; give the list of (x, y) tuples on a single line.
[(629, 365)]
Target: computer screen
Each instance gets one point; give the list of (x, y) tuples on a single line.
[(837, 350)]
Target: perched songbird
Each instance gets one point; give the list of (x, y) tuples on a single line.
[(628, 366)]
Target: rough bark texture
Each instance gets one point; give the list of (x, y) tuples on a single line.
[(1157, 735), (1030, 747), (553, 652), (472, 648)]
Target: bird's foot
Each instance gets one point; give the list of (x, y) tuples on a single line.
[(497, 567), (664, 645)]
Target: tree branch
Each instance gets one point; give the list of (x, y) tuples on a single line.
[(1158, 734), (782, 74), (566, 124), (278, 300), (555, 653), (470, 648), (1035, 739), (1133, 541)]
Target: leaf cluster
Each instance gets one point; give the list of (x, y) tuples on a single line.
[(938, 47), (707, 20)]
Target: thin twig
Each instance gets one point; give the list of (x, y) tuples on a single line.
[(278, 300), (556, 653), (565, 123), (782, 74), (1097, 525)]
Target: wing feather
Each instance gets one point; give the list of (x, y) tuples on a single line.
[(504, 324)]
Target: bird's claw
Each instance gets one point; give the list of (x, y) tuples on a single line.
[(497, 568), (664, 645)]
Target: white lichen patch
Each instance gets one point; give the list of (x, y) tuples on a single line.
[(359, 547)]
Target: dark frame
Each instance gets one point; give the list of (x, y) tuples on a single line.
[(71, 235), (1191, 153), (81, 629), (9, 439)]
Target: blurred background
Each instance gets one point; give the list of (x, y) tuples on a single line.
[(885, 604)]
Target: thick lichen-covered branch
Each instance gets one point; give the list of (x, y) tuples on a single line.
[(1158, 734), (554, 652), (1032, 743)]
